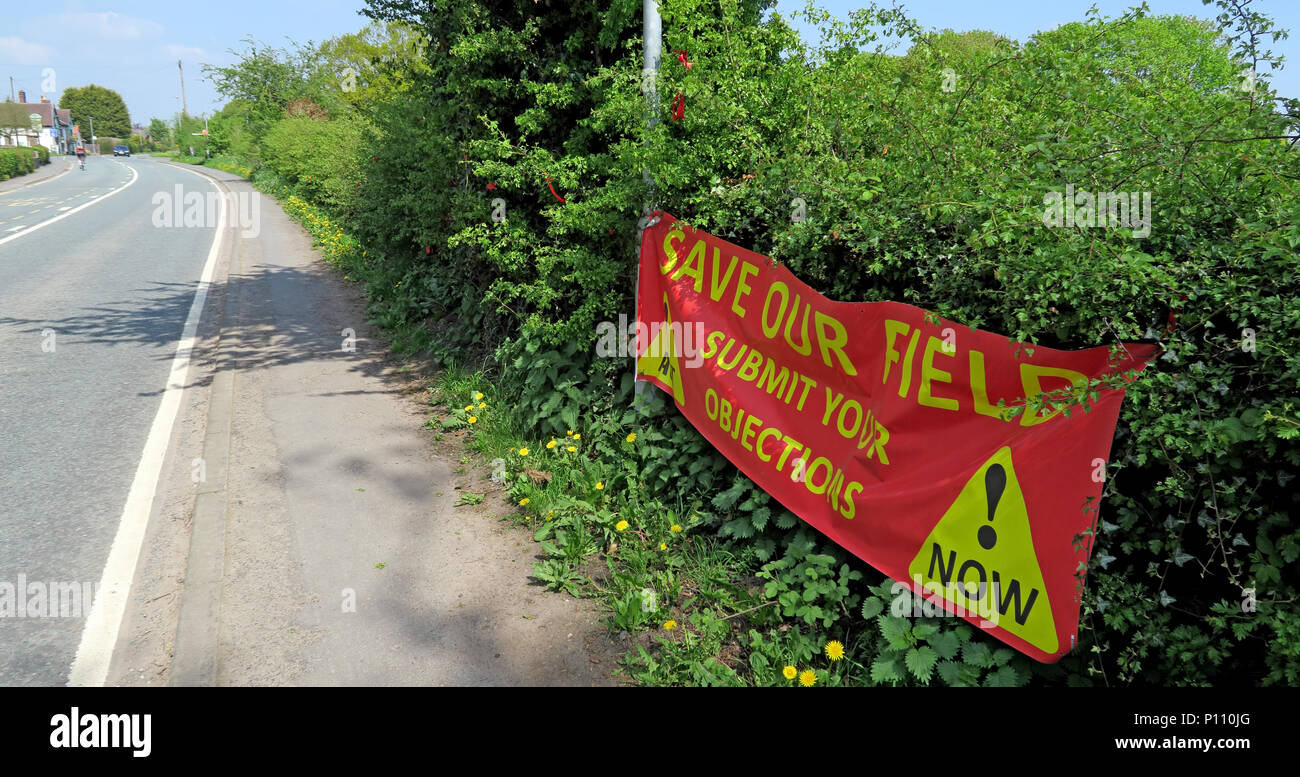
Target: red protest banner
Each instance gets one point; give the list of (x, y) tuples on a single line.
[(880, 426)]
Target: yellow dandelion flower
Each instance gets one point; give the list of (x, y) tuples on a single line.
[(663, 546), (808, 679), (675, 529), (523, 451), (670, 625), (631, 437), (548, 517), (551, 444), (528, 517), (523, 501), (482, 404), (621, 525), (468, 408), (790, 672), (834, 650), (478, 395), (600, 486), (570, 433), (550, 512), (572, 449), (473, 419)]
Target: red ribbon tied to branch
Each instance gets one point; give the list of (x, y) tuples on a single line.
[(679, 107), (552, 188), (681, 56)]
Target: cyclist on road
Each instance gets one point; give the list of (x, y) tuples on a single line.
[(81, 156)]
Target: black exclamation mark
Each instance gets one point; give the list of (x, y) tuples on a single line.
[(995, 482)]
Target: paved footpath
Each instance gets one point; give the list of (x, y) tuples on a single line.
[(323, 547)]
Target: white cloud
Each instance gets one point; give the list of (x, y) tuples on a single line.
[(21, 52), (105, 25), (192, 53)]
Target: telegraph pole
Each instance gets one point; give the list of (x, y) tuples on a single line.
[(182, 72)]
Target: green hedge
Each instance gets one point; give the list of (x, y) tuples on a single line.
[(924, 177), (18, 161)]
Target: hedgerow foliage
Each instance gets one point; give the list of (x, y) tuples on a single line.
[(924, 177)]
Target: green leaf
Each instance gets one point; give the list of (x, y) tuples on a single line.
[(945, 643), (920, 662), (886, 670), (871, 607)]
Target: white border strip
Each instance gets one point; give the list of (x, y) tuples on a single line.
[(99, 637), (33, 228)]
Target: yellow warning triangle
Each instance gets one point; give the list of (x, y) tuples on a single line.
[(980, 557), (660, 358)]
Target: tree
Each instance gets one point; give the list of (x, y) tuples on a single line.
[(13, 118), (104, 105), (265, 80), (159, 131)]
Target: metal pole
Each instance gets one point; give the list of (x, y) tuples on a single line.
[(652, 35)]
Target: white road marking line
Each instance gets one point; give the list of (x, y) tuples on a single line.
[(95, 653), (14, 229), (29, 230), (65, 207)]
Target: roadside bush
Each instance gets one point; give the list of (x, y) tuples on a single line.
[(319, 156), (17, 161)]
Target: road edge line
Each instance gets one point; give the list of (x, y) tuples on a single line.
[(135, 176), (99, 636)]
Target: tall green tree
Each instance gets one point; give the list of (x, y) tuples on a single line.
[(104, 105), (160, 133), (13, 118)]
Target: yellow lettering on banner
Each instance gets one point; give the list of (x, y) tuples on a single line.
[(892, 330), (742, 288), (931, 373), (670, 253), (710, 348), (777, 286), (906, 382), (749, 432), (693, 266), (749, 370), (980, 556), (715, 292), (831, 338), (774, 380), (763, 436), (978, 387), (1031, 376)]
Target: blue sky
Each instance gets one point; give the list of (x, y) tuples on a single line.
[(133, 46)]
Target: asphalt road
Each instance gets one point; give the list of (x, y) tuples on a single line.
[(91, 309), (324, 544)]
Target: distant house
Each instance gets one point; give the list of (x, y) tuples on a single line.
[(51, 126)]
